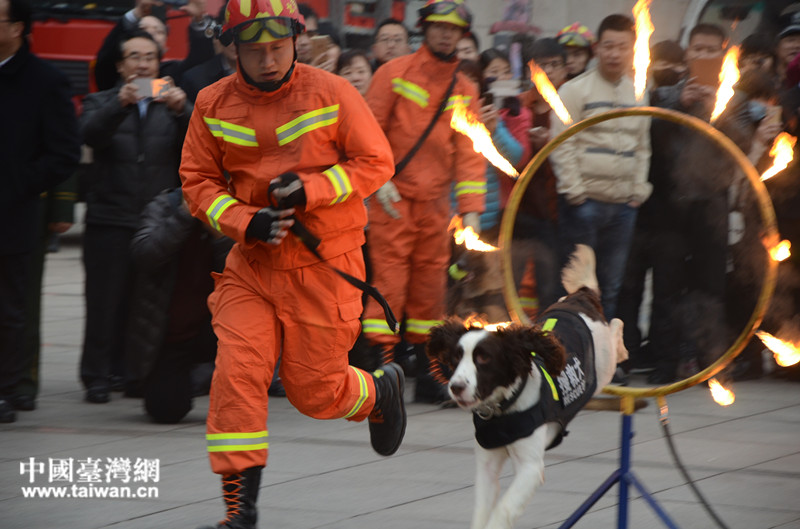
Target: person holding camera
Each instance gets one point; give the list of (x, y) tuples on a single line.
[(136, 134), (150, 16)]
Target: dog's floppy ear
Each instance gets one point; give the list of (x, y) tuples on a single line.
[(443, 341), (525, 340), (548, 348)]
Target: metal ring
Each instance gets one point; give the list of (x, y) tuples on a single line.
[(770, 234)]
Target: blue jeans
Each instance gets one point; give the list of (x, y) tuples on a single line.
[(608, 229)]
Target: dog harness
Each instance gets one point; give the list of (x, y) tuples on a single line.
[(561, 398)]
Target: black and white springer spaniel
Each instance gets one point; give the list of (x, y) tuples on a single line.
[(523, 384)]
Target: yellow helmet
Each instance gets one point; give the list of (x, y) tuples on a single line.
[(451, 11)]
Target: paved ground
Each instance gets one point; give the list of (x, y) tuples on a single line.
[(745, 458)]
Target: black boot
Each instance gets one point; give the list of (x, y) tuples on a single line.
[(431, 387), (240, 492), (387, 422)]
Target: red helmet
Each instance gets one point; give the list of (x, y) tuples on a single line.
[(261, 21), (451, 11)]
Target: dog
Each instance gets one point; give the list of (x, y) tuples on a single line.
[(523, 384)]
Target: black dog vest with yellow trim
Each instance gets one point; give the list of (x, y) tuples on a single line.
[(561, 398)]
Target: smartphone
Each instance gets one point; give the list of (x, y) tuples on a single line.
[(320, 44), (149, 87), (706, 71)]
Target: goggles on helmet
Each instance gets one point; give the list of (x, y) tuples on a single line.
[(265, 29), (446, 8)]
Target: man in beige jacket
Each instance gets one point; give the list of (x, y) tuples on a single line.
[(601, 172)]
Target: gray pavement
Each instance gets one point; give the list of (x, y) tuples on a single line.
[(322, 474)]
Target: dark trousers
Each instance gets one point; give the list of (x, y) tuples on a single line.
[(106, 258), (168, 387), (29, 382), (689, 260), (608, 229), (537, 239), (14, 271), (640, 260)]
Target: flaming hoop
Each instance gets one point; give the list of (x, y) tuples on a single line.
[(514, 305)]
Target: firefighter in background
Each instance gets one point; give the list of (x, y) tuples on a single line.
[(277, 145), (408, 240), (577, 40)]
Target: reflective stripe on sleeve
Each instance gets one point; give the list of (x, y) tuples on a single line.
[(457, 99), (529, 302), (237, 442), (470, 188), (410, 91), (363, 389), (217, 208), (421, 326), (377, 327), (306, 123), (340, 182)]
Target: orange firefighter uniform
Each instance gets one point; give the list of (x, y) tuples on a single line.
[(410, 255), (281, 300)]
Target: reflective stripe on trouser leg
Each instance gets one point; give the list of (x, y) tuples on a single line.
[(390, 243), (425, 304), (248, 336)]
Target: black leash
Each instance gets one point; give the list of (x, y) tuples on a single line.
[(312, 242)]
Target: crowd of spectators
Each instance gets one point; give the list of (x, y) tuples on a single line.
[(660, 205)]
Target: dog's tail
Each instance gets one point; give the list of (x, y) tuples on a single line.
[(580, 271)]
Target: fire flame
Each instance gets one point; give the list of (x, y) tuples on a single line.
[(468, 237), (786, 353), (466, 123), (721, 395), (475, 320), (549, 92), (781, 251), (728, 77), (782, 151), (641, 49)]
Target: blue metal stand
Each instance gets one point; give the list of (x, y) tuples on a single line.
[(625, 477)]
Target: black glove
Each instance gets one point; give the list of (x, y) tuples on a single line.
[(292, 191), (264, 225)]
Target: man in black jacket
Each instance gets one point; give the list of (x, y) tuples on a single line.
[(170, 323), (136, 142), (39, 148), (222, 64)]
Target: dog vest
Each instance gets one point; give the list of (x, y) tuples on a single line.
[(561, 398)]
